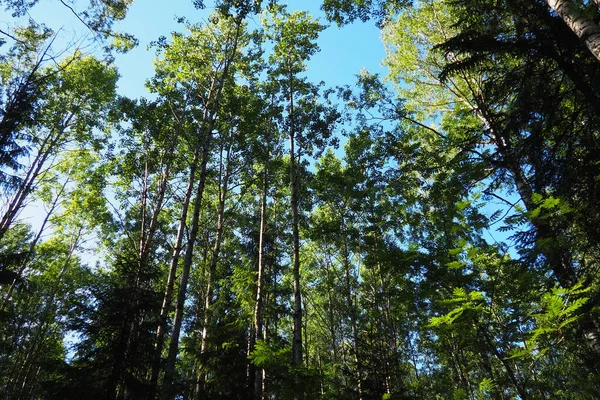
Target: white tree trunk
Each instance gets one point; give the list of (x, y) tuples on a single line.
[(585, 28)]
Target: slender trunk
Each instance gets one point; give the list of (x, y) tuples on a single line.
[(147, 238), (119, 357), (265, 337), (145, 246), (257, 328), (270, 283), (505, 362), (39, 337), (143, 215), (487, 366), (333, 328), (557, 256), (34, 243), (585, 28), (306, 336), (164, 311), (48, 145), (212, 270), (208, 120), (167, 390), (297, 316), (388, 339), (461, 378), (353, 313)]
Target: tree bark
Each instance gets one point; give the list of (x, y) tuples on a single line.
[(39, 336), (504, 359), (17, 202), (297, 316), (557, 257), (166, 304), (33, 245), (353, 311), (208, 121), (585, 28), (148, 228), (167, 390)]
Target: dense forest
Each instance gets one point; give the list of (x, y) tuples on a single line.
[(429, 234)]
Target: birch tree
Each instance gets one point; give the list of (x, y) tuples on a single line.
[(581, 22)]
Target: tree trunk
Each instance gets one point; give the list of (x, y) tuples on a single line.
[(164, 311), (17, 110), (16, 204), (257, 326), (297, 316), (167, 390), (333, 326), (34, 243), (504, 359), (353, 312), (39, 336), (208, 120), (148, 229), (557, 257), (585, 28), (212, 271)]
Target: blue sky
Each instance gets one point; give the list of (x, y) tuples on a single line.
[(344, 51)]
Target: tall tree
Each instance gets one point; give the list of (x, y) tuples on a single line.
[(206, 81), (293, 36), (510, 115), (77, 99)]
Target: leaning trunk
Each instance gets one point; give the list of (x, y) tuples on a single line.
[(585, 28), (557, 256), (32, 246), (17, 202)]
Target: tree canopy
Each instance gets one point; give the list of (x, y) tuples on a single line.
[(244, 232)]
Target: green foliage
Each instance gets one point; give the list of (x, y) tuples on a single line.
[(14, 250), (560, 310), (346, 11), (471, 301), (485, 128), (285, 380), (266, 356), (20, 98), (486, 388)]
